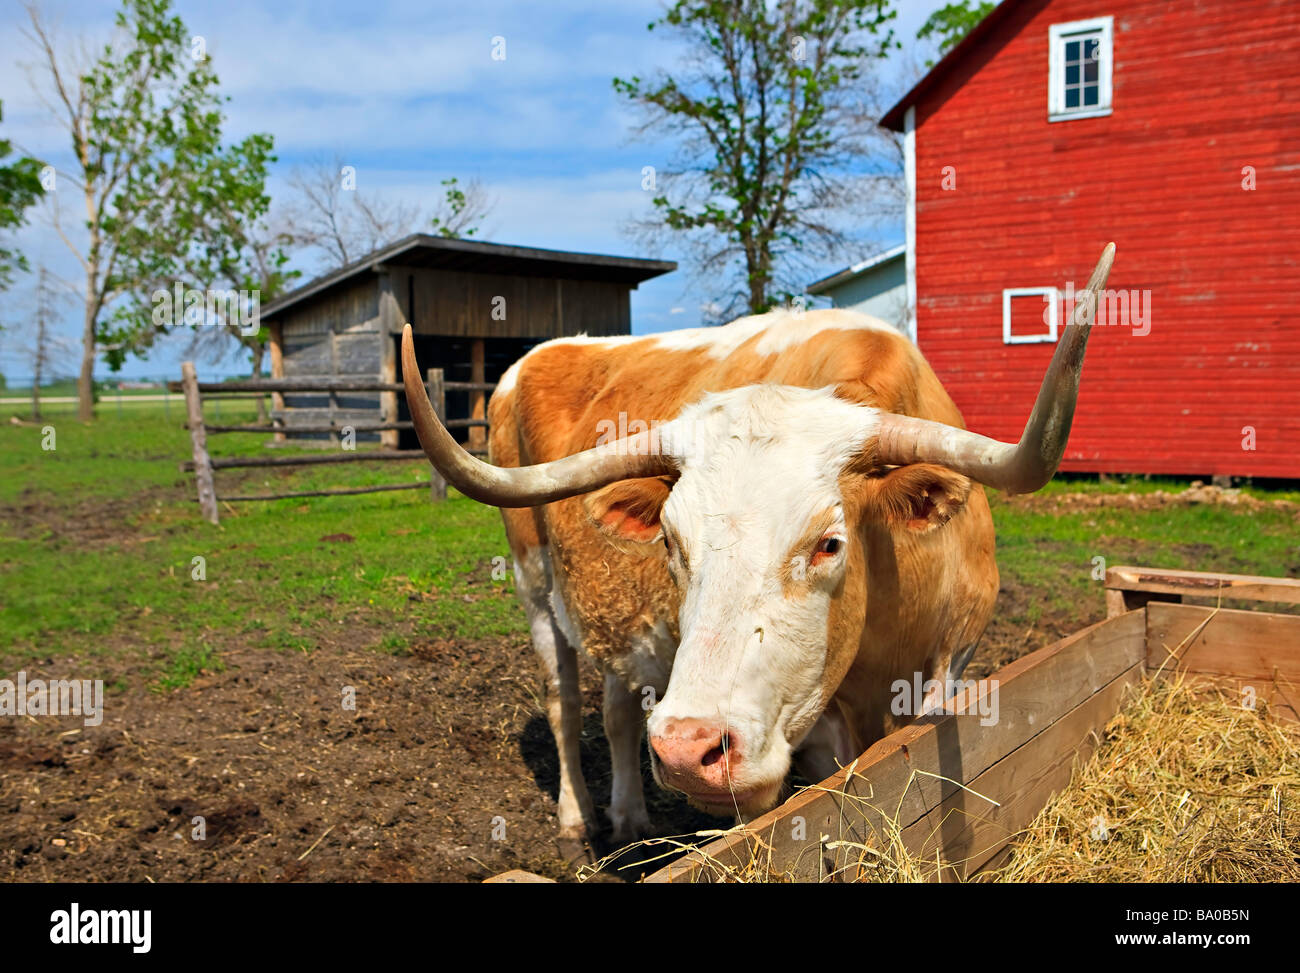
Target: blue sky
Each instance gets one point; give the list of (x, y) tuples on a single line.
[(409, 94)]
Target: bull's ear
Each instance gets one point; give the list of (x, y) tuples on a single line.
[(627, 512), (919, 497)]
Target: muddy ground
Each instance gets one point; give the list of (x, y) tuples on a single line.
[(445, 770)]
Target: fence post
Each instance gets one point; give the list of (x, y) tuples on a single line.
[(199, 439), (437, 396)]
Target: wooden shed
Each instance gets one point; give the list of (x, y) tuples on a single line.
[(474, 308)]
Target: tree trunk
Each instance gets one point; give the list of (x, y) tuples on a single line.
[(40, 355), (86, 380), (756, 263), (757, 291), (258, 351), (42, 312)]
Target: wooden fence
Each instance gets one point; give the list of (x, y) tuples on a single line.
[(204, 466)]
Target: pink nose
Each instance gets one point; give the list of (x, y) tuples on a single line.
[(698, 757)]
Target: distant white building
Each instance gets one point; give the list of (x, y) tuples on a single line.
[(875, 286)]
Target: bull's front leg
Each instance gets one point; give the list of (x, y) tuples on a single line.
[(624, 726), (575, 810), (574, 807)]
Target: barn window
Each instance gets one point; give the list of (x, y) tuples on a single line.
[(1080, 69), (1029, 314)]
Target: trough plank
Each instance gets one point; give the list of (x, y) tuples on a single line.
[(1234, 648), (881, 786), (969, 832), (517, 876), (1203, 584)]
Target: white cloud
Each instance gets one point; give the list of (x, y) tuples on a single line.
[(408, 92)]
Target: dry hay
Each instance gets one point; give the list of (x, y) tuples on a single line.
[(1186, 786), (884, 855)]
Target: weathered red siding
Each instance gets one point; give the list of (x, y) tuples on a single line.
[(1202, 88)]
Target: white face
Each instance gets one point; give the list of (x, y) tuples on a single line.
[(759, 547)]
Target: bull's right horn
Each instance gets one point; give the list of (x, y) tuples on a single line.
[(1021, 467), (524, 486)]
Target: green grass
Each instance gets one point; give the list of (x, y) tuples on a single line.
[(1053, 554), (99, 536), (98, 539), (186, 664)]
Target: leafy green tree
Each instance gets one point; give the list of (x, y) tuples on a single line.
[(949, 24), (144, 119), (461, 209), (241, 253), (768, 113), (20, 188)]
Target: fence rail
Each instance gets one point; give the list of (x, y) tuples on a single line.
[(202, 465), (304, 384), (339, 426)]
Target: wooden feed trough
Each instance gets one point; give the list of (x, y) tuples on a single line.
[(1051, 706)]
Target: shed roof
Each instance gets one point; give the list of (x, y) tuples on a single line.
[(859, 268), (473, 256), (894, 117)]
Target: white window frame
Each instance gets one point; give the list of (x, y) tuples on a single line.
[(1058, 34), (1030, 339)]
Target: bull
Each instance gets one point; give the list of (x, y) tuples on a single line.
[(789, 526)]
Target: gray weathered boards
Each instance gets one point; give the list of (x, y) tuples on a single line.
[(474, 308)]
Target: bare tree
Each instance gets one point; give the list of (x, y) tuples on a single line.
[(882, 186), (46, 349), (258, 265), (887, 183), (328, 213)]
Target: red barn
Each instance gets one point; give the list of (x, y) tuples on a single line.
[(1172, 128)]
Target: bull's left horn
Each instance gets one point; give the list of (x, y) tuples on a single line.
[(524, 486), (1016, 468)]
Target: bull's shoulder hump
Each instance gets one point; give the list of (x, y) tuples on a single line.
[(773, 333)]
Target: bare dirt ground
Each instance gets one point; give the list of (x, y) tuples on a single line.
[(1198, 493), (445, 770)]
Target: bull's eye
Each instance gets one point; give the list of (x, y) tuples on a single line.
[(827, 548), (676, 554), (671, 550)]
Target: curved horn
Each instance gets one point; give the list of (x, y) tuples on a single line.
[(524, 486), (1028, 465)]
